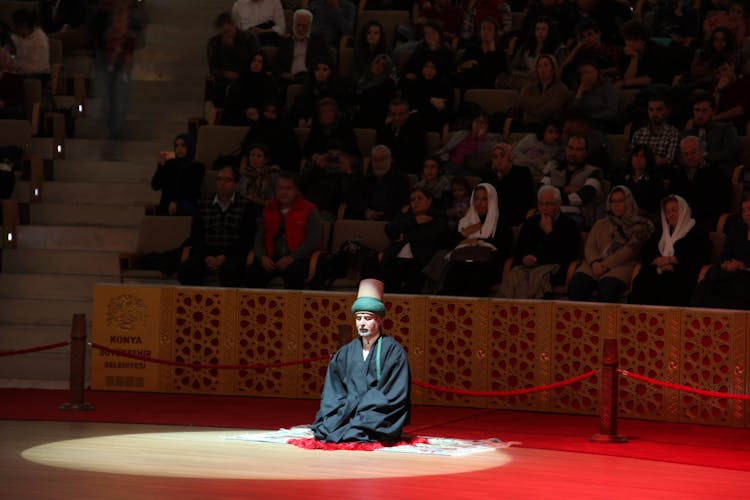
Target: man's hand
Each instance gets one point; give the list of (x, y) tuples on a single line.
[(529, 260), (371, 214), (545, 224), (423, 219), (598, 269), (267, 264), (284, 262)]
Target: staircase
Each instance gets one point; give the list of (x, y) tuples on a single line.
[(92, 208)]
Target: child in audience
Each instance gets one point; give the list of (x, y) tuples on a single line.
[(433, 180), (460, 199)]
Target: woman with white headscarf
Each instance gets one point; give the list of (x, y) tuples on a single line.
[(672, 259), (613, 248), (475, 263)]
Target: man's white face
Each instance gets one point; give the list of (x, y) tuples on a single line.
[(367, 323)]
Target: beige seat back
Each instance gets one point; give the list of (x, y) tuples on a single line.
[(160, 233), (215, 140), (370, 234)]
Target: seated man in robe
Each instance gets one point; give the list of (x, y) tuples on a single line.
[(366, 396)]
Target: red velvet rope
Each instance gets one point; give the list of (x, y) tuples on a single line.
[(684, 388), (515, 392), (197, 366), (34, 349)]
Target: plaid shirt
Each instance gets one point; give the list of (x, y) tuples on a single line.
[(662, 143), (216, 231)]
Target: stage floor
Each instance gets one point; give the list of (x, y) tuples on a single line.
[(66, 460)]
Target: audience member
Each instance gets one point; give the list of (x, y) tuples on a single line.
[(331, 135), (385, 190), (179, 178), (460, 199), (661, 137), (431, 95), (672, 259), (482, 64), (373, 92), (548, 242), (447, 13), (612, 250), (257, 176), (562, 15), (31, 44), (706, 187), (478, 10), (588, 48), (433, 181), (513, 183), (263, 18), (432, 44), (726, 284), (718, 48), (732, 95), (467, 151), (733, 19), (221, 234), (675, 21), (538, 148), (475, 263), (544, 98), (405, 136), (597, 98), (639, 64), (246, 95), (371, 42), (580, 184), (641, 176), (718, 139), (277, 134), (229, 54), (333, 19), (415, 237), (296, 54), (542, 40), (289, 231), (609, 15), (320, 84)]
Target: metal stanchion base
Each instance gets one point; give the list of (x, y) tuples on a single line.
[(608, 438), (76, 407)]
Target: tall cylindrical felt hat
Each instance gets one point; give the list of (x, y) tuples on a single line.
[(370, 297)]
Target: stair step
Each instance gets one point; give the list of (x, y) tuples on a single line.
[(176, 90), (104, 171), (58, 214), (16, 337), (50, 286), (113, 239), (159, 109), (94, 128), (43, 311), (28, 260), (104, 193), (143, 151)]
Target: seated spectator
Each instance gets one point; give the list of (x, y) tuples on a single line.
[(333, 19), (672, 259), (580, 184), (588, 48), (485, 239), (221, 234), (597, 98), (612, 250), (542, 40), (371, 42), (431, 95), (289, 231), (733, 19), (641, 177), (725, 285), (467, 151), (732, 97), (65, 20), (609, 15), (719, 48), (296, 54), (706, 188), (484, 63), (257, 176), (373, 92), (547, 244), (277, 134), (433, 181), (676, 21), (639, 65), (385, 190), (458, 204), (537, 149), (415, 237), (447, 13), (513, 183), (179, 178), (478, 10), (405, 135), (263, 18), (319, 84), (229, 54), (561, 14), (12, 89), (246, 94), (597, 152), (544, 98), (433, 44), (31, 44), (661, 137), (330, 134), (718, 139)]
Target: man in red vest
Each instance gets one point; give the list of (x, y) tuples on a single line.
[(289, 231)]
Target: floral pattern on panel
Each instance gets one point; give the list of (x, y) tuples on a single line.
[(197, 339)]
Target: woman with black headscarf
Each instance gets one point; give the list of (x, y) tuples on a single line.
[(179, 178)]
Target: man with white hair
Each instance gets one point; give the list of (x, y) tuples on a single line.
[(385, 190), (366, 396), (264, 18), (297, 53)]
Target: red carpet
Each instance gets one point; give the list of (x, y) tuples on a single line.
[(681, 443)]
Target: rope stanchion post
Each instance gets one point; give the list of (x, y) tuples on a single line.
[(77, 366), (608, 396), (345, 334)]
